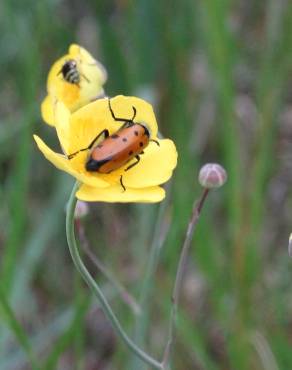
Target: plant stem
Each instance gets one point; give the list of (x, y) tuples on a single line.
[(95, 287), (180, 273)]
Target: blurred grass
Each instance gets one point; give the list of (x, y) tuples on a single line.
[(233, 58), (17, 330)]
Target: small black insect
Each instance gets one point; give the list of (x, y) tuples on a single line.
[(70, 72)]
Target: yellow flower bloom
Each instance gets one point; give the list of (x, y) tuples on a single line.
[(76, 131), (92, 76)]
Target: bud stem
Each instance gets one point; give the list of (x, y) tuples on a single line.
[(197, 207)]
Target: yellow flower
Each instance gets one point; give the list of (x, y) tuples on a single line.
[(92, 76), (76, 131)]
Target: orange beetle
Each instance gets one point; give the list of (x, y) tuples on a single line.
[(115, 150)]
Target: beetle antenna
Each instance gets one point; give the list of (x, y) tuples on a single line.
[(155, 141), (121, 182), (135, 111)]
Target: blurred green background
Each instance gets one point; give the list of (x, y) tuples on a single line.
[(219, 75)]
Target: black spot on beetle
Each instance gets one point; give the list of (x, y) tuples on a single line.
[(125, 139), (141, 144), (130, 152), (136, 133), (99, 145), (115, 136)]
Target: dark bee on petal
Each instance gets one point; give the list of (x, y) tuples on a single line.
[(70, 72)]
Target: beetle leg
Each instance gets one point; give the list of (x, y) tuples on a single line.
[(133, 164), (121, 182), (103, 132), (72, 155), (126, 120)]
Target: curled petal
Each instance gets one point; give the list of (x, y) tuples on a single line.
[(62, 122), (47, 110), (117, 194), (62, 163)]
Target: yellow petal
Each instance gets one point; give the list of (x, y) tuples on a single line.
[(47, 110), (62, 123), (68, 93), (55, 113), (87, 122), (117, 194), (78, 52), (62, 163), (155, 166)]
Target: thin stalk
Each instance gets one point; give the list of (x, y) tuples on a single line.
[(197, 207), (160, 232), (95, 287)]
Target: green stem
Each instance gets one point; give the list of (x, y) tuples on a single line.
[(96, 289)]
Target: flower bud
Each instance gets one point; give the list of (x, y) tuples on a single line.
[(212, 175)]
